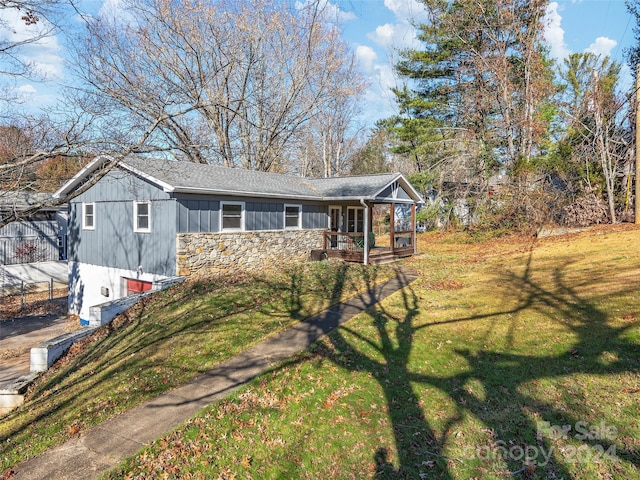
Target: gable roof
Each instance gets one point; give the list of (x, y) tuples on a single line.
[(184, 177)]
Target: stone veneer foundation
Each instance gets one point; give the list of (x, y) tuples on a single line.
[(205, 254)]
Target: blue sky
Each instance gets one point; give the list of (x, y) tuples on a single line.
[(375, 29), (378, 28)]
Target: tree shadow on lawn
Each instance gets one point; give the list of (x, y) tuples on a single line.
[(528, 437), (114, 350)]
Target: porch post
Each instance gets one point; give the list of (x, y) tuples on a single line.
[(414, 235), (392, 229), (366, 231)]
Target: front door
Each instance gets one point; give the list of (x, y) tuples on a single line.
[(335, 218)]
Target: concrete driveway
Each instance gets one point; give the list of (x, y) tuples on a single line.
[(18, 335)]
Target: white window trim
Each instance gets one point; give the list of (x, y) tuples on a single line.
[(293, 205), (135, 218), (242, 225), (84, 216), (355, 218)]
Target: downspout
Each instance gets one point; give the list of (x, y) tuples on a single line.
[(366, 231), (414, 233)]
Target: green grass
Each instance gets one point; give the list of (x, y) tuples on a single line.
[(164, 342), (487, 356), (458, 376)]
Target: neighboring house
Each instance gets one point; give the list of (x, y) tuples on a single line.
[(41, 237), (148, 220)]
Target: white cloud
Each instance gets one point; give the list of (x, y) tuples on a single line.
[(602, 46), (366, 57), (377, 59), (43, 54), (407, 11), (27, 89), (33, 98), (554, 33), (380, 75), (394, 35), (378, 98)]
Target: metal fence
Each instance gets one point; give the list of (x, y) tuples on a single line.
[(16, 297)]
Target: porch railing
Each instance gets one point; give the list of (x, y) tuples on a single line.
[(347, 241), (354, 242), (403, 240)]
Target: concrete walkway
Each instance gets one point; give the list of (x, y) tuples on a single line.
[(101, 448)]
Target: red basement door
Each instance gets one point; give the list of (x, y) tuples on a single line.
[(137, 286)]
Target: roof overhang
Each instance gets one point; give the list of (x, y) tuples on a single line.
[(78, 178)]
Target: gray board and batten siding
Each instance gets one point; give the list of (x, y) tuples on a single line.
[(114, 243), (201, 213)]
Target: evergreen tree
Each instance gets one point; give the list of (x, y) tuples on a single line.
[(477, 99)]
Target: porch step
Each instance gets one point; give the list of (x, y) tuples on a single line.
[(384, 258)]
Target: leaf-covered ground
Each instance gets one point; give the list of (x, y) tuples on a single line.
[(506, 357), (165, 341), (509, 357)]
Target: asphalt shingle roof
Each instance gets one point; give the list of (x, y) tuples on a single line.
[(188, 177), (19, 200)]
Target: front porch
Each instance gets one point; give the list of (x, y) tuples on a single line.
[(349, 246)]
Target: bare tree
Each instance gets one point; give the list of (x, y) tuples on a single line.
[(79, 134), (595, 151), (330, 137), (249, 74), (24, 25), (41, 18)]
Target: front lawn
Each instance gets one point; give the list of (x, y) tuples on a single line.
[(167, 340), (510, 357)]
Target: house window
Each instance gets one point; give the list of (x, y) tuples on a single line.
[(232, 214), (141, 216), (88, 216), (355, 219), (292, 216)]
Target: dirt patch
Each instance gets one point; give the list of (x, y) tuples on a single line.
[(13, 353), (35, 303)]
